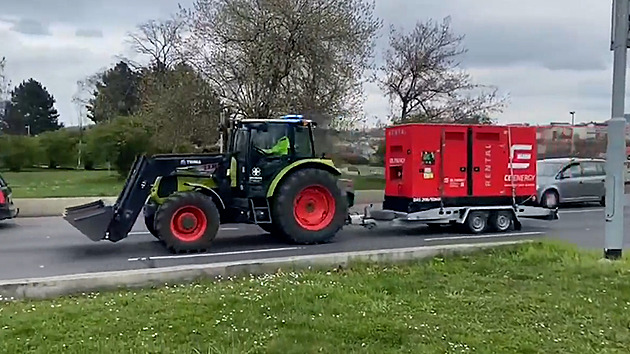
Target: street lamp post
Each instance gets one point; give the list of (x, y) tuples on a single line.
[(572, 113), (616, 149)]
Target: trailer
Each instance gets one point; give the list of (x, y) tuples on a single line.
[(480, 177)]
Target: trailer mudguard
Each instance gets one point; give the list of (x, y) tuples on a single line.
[(325, 164)]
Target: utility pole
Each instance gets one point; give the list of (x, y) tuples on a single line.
[(616, 149)]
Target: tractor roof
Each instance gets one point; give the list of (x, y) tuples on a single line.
[(291, 119)]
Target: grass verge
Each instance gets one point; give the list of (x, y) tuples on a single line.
[(73, 183), (535, 298), (63, 183)]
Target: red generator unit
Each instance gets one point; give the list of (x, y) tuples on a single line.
[(429, 165), (482, 176)]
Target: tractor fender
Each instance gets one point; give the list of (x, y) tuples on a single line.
[(323, 164), (209, 192)]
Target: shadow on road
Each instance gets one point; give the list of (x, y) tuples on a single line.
[(7, 225)]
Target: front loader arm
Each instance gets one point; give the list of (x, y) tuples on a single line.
[(114, 222)]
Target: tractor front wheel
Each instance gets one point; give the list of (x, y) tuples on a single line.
[(187, 222), (309, 207), (149, 219)]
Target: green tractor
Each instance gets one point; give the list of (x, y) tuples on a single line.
[(270, 176)]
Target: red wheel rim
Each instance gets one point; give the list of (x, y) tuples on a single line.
[(314, 208), (189, 223)]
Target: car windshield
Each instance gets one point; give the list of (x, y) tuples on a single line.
[(548, 169)]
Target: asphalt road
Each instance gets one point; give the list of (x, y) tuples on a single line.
[(39, 247)]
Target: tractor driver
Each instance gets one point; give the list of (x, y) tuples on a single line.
[(281, 148)]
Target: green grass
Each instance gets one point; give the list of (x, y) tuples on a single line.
[(63, 183), (368, 182), (73, 183), (539, 298)]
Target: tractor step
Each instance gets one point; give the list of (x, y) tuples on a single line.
[(262, 214), (91, 219)]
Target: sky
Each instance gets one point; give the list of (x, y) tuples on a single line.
[(550, 57)]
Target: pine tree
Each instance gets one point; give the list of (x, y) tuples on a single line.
[(32, 109)]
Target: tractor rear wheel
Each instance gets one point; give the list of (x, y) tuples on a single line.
[(309, 207), (187, 222)]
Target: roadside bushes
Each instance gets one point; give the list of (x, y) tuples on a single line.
[(118, 143), (114, 144), (18, 152), (58, 148)]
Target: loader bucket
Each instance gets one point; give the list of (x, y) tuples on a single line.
[(92, 219)]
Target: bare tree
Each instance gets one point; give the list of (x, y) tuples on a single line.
[(158, 39), (179, 108), (266, 58), (422, 79)]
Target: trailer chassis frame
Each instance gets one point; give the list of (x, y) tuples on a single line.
[(447, 215)]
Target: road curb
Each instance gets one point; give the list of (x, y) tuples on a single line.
[(42, 207), (50, 287)]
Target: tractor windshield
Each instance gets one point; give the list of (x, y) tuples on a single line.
[(273, 141)]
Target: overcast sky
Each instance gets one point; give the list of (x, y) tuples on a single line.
[(551, 57)]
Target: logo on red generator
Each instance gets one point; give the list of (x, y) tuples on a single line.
[(520, 159), (520, 156)]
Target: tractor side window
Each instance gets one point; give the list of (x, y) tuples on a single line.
[(240, 142), (303, 146)]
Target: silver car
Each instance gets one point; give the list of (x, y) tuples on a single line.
[(571, 180)]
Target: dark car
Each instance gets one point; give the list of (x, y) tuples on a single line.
[(7, 208)]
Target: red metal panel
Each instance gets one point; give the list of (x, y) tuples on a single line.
[(490, 160), (426, 148), (397, 161), (455, 160)]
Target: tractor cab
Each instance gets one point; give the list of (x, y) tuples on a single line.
[(261, 148)]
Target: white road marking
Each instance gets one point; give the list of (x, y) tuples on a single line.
[(213, 254), (463, 237), (148, 233), (581, 211)]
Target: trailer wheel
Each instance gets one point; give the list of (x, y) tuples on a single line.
[(187, 222), (477, 222), (501, 221), (309, 207)]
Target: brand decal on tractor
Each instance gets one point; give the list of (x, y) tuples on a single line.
[(190, 162), (255, 175)]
